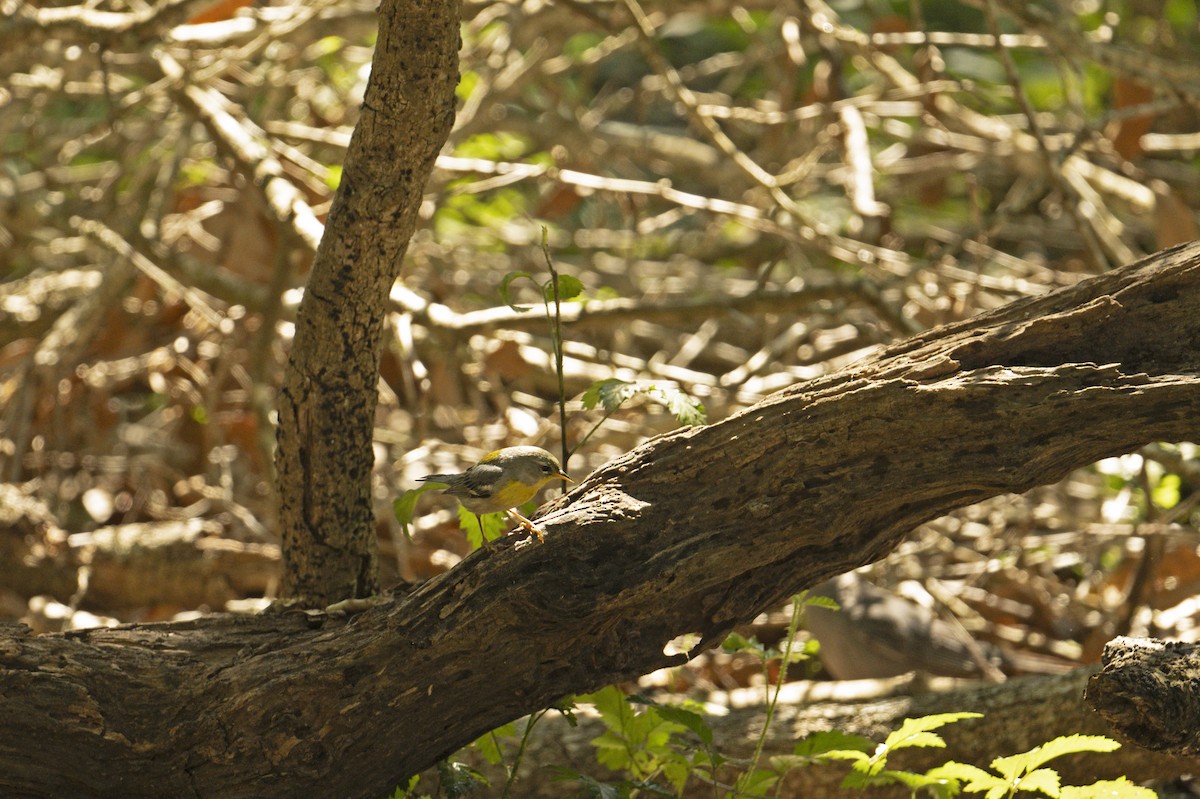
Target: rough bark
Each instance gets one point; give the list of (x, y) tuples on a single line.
[(1149, 691), (327, 403), (692, 532)]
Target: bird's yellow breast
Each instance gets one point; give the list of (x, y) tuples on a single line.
[(515, 493)]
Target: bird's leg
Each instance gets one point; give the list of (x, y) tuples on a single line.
[(528, 525)]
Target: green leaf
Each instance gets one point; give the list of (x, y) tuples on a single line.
[(612, 393), (406, 791), (735, 643), (652, 788), (502, 146), (405, 505), (707, 759), (863, 777), (976, 779), (467, 81), (827, 602), (919, 782), (592, 788), (686, 410), (1107, 789), (1180, 13), (853, 755), (1166, 492), (826, 743), (568, 288), (1042, 779), (488, 744), (1018, 765), (505, 289), (917, 732), (333, 175), (808, 650), (493, 526), (912, 733), (692, 721), (755, 783), (639, 743), (613, 746)]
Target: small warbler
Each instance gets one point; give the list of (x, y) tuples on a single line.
[(501, 481)]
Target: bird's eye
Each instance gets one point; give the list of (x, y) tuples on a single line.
[(546, 468)]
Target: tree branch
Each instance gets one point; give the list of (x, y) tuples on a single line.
[(692, 532)]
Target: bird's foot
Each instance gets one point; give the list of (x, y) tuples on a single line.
[(530, 526)]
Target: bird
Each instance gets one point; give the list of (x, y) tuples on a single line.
[(501, 481)]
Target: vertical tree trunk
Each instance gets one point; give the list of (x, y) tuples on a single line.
[(327, 403)]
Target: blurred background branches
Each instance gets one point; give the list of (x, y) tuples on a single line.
[(752, 194)]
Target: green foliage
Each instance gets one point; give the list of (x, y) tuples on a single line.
[(651, 742), (493, 209), (755, 781), (827, 602), (493, 526), (467, 81), (404, 508), (405, 505), (871, 769), (580, 43), (1119, 788), (408, 790), (489, 746), (612, 393), (1166, 492), (1180, 13), (822, 747), (637, 742), (568, 289), (657, 749), (501, 146), (333, 175), (326, 53), (1026, 773)]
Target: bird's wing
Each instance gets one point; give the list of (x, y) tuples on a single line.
[(479, 482)]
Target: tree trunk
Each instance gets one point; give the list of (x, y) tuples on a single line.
[(327, 402), (695, 531)]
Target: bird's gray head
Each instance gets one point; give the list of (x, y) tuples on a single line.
[(531, 465)]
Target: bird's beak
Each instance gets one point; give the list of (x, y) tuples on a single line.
[(566, 477)]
